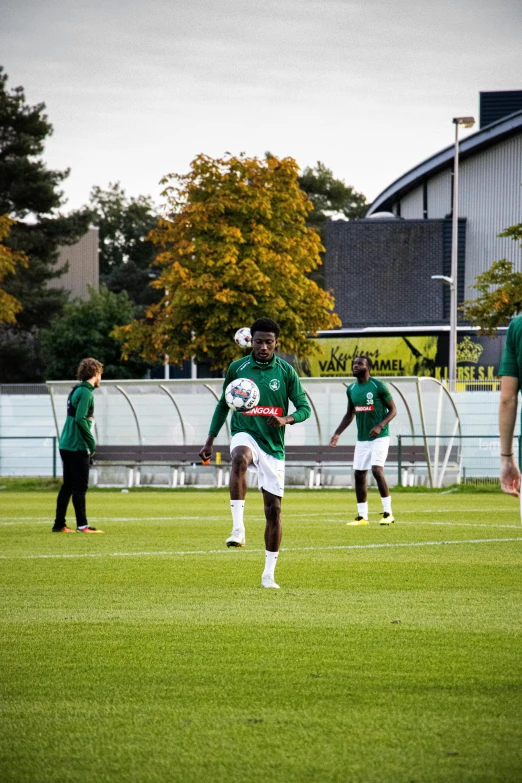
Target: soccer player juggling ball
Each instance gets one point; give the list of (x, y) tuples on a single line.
[(370, 401), (77, 445), (258, 436)]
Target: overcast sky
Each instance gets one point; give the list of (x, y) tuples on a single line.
[(135, 90)]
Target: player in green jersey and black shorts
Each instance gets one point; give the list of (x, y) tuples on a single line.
[(370, 401), (258, 437)]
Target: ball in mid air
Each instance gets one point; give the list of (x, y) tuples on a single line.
[(243, 338), (242, 395)]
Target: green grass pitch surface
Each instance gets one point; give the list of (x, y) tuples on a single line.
[(151, 653)]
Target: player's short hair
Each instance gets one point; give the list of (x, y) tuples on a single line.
[(368, 360), (265, 325), (88, 368)]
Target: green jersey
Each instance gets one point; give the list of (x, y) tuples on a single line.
[(76, 434), (278, 383), (369, 401), (511, 363)]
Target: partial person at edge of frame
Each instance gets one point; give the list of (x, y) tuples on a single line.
[(511, 372)]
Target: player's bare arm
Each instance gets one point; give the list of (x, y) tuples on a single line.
[(345, 422), (392, 412), (509, 472)]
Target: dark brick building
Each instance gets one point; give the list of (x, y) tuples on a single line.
[(380, 271)]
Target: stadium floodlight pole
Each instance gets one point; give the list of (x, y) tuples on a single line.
[(466, 122)]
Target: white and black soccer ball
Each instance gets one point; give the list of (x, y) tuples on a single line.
[(242, 395), (243, 338)]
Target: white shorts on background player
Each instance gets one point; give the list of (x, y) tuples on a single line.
[(370, 452), (270, 471)]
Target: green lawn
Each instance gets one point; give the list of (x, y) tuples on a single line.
[(151, 653)]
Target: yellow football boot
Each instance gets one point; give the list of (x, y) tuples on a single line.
[(358, 521)]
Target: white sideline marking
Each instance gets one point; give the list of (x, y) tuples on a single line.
[(46, 520), (248, 551)]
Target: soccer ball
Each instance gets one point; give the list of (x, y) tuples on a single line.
[(243, 337), (242, 395)]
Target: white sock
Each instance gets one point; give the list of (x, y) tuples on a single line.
[(238, 510), (270, 563), (362, 510), (386, 505)]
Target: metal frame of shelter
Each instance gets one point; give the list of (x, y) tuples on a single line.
[(435, 474)]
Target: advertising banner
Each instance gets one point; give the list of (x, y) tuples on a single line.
[(478, 358)]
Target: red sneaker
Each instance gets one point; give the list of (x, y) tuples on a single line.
[(63, 529), (88, 529)]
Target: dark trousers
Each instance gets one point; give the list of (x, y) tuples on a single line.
[(75, 484)]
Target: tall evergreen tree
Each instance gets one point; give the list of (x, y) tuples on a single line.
[(30, 194)]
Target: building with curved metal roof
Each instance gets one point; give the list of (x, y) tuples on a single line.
[(490, 192), (380, 268)]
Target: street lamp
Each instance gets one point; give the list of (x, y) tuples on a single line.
[(453, 339), (466, 122)]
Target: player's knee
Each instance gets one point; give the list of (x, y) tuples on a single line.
[(239, 463), (377, 471), (359, 475)]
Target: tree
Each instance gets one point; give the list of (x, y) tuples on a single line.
[(329, 197), (9, 260), (126, 254), (500, 290), (29, 193), (235, 247), (83, 329)]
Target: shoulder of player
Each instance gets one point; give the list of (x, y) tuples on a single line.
[(515, 328), (238, 365), (81, 391), (285, 366), (381, 387)]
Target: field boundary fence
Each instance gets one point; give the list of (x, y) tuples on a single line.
[(38, 453), (146, 413), (436, 460)]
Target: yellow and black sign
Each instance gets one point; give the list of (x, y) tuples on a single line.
[(478, 358)]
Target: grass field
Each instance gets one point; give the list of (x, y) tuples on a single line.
[(151, 653)]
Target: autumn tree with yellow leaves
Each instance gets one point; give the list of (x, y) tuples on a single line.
[(234, 247), (9, 260)]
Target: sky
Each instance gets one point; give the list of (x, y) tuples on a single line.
[(135, 90)]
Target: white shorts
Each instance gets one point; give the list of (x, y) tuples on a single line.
[(370, 452), (270, 471)]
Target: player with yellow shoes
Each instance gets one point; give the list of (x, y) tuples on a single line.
[(370, 401)]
